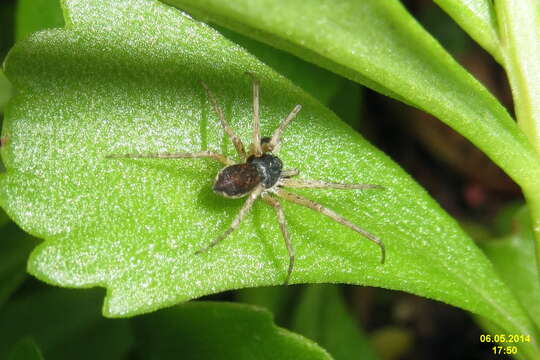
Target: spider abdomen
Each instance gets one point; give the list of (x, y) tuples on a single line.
[(269, 168), (237, 180)]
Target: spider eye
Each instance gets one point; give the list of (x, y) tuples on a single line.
[(265, 140)]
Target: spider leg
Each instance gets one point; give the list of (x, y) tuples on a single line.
[(275, 141), (202, 154), (287, 173), (317, 184), (234, 138), (256, 148), (300, 200), (283, 226), (237, 220)]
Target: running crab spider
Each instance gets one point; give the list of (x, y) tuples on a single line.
[(260, 174)]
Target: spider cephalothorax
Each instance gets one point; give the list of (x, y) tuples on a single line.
[(260, 174)]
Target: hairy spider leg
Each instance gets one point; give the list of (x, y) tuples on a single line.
[(275, 142), (300, 200), (283, 226), (202, 154), (317, 184), (234, 138), (289, 173), (238, 219), (256, 148)]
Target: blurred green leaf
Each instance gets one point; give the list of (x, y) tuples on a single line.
[(15, 246), (515, 261), (323, 317), (393, 342), (35, 15), (274, 298), (7, 9), (26, 349), (5, 90), (212, 330), (65, 324), (4, 219), (132, 226)]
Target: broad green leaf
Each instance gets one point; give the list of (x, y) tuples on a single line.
[(323, 317), (378, 44), (514, 260), (26, 349), (213, 330), (133, 226), (34, 15), (478, 19), (65, 324)]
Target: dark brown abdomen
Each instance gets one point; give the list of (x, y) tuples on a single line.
[(237, 180)]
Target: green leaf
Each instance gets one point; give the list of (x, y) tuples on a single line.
[(380, 45), (35, 15), (478, 19), (514, 254), (65, 324), (519, 28), (4, 219), (213, 330), (319, 83), (133, 226), (277, 299), (7, 9), (323, 317), (15, 246), (26, 349), (5, 90), (520, 35)]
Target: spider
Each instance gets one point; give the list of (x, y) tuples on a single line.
[(260, 174)]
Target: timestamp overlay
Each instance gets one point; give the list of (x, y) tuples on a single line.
[(505, 344)]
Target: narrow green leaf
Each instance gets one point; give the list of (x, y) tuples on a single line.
[(519, 28), (213, 330), (133, 226), (323, 317), (319, 83), (478, 19), (378, 44), (26, 349), (519, 24)]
